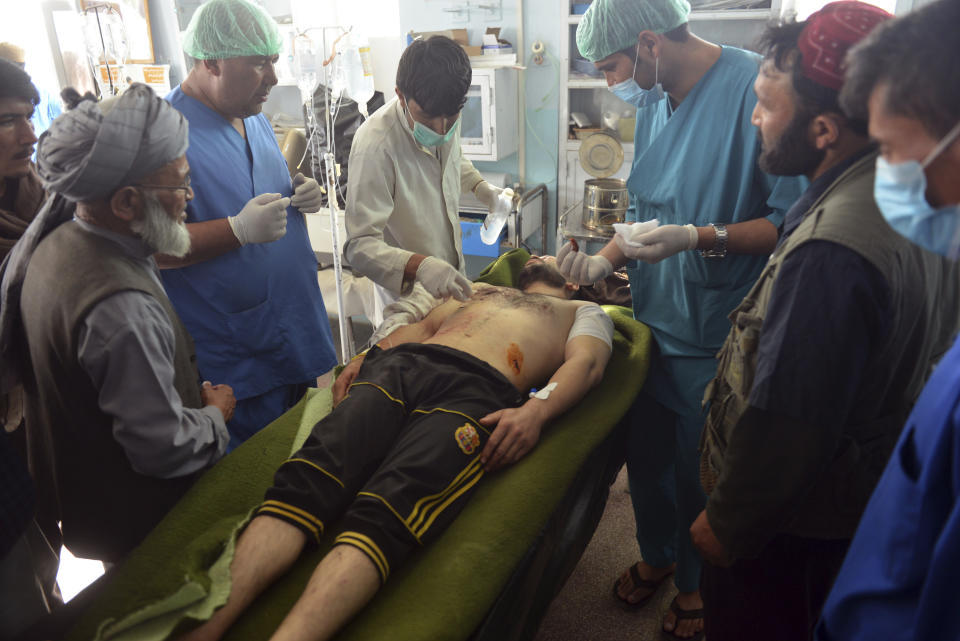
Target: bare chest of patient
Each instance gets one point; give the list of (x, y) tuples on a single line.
[(501, 313)]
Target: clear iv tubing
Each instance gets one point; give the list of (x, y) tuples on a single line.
[(346, 346)]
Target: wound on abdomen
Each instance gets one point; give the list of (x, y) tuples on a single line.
[(515, 358)]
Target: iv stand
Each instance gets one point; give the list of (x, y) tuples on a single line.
[(330, 179)]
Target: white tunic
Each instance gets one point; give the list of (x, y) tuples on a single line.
[(402, 198)]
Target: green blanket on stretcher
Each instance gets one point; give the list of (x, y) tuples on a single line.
[(181, 570)]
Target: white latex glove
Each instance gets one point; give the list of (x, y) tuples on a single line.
[(494, 197), (578, 267), (307, 196), (660, 243), (262, 220), (442, 280)]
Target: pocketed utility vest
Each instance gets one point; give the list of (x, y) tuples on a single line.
[(925, 303), (83, 476)]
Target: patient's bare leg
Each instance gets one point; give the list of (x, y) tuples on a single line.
[(265, 550), (341, 585)]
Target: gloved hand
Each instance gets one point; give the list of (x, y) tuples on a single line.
[(578, 267), (262, 220), (660, 243), (442, 280), (494, 197), (307, 195)]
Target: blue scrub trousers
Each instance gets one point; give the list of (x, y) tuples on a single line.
[(663, 463), (253, 414)]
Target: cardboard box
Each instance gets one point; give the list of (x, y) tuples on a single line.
[(494, 44), (457, 35)]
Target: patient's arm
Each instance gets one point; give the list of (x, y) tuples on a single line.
[(518, 429)]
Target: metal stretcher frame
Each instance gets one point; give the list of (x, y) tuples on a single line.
[(523, 602)]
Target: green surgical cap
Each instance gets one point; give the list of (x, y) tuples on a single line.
[(610, 26), (230, 29)]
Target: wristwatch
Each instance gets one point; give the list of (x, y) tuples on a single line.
[(719, 249)]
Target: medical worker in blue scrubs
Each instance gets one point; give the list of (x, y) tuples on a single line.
[(899, 578), (695, 171), (248, 290)]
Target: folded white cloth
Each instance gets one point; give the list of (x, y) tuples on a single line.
[(629, 231)]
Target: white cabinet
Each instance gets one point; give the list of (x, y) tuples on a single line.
[(488, 122)]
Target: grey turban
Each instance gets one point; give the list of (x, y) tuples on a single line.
[(87, 153), (92, 150)]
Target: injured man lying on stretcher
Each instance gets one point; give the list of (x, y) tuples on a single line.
[(418, 421)]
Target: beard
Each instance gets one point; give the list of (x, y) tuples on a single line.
[(791, 154), (160, 232)]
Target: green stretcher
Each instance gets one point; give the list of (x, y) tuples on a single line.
[(490, 576)]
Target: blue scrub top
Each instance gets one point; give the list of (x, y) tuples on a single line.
[(698, 164), (255, 313), (899, 578)]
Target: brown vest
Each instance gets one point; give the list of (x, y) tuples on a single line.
[(83, 475), (925, 304)]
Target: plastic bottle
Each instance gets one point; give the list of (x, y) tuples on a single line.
[(305, 66), (496, 219), (358, 71)]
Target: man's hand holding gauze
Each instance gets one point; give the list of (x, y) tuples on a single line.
[(442, 280), (262, 220), (307, 195), (627, 233), (651, 243), (578, 267)]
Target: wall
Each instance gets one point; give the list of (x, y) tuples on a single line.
[(542, 21), (19, 26)]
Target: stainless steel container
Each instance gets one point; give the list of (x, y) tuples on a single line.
[(605, 202)]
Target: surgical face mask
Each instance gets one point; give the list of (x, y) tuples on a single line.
[(632, 93), (428, 137), (900, 191)]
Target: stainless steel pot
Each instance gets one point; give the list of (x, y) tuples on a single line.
[(605, 202)]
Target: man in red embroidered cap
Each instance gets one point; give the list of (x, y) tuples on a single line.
[(825, 358)]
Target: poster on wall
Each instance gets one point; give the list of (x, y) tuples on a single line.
[(157, 77), (124, 20)]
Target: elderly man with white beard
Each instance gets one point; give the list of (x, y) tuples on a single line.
[(119, 424)]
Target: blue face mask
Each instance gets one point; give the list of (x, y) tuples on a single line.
[(428, 137), (900, 192), (633, 94)]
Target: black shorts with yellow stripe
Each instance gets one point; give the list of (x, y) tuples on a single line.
[(400, 455)]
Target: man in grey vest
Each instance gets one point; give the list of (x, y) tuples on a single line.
[(118, 423), (826, 356)]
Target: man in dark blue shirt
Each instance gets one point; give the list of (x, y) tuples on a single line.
[(826, 355)]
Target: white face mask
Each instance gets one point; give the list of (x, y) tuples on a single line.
[(632, 93)]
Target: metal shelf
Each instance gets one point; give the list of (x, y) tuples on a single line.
[(574, 145), (731, 14), (719, 14), (583, 81)]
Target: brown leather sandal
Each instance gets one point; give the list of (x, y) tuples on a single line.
[(639, 582)]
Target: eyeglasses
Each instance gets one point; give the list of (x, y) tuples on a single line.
[(185, 188)]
